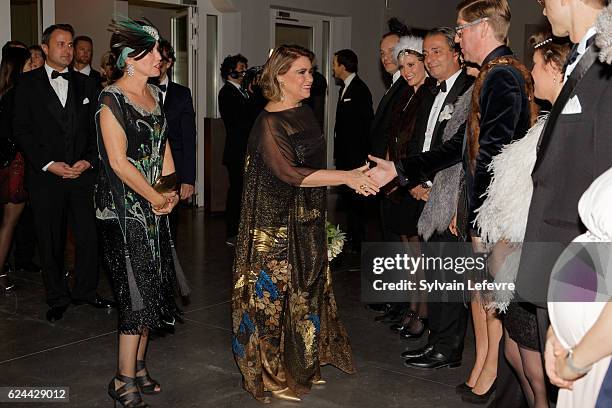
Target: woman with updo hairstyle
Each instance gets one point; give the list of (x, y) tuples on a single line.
[(135, 193), (285, 323), (502, 220)]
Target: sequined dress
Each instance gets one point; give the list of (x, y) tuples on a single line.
[(135, 243), (285, 323)]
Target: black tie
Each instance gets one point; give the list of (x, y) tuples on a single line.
[(65, 75), (573, 55), (441, 87), (162, 87)]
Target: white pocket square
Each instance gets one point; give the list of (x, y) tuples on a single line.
[(85, 101), (346, 100), (572, 107)]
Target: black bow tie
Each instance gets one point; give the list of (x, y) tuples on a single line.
[(65, 75), (441, 87), (162, 87), (573, 55)]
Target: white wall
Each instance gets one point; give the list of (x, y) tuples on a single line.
[(92, 21), (158, 16)]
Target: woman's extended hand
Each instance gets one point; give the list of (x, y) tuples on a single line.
[(359, 181)]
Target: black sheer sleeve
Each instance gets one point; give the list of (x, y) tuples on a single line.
[(277, 151)]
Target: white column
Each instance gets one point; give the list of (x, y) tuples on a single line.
[(5, 22), (48, 13)]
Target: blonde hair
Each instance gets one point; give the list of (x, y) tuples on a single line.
[(497, 11), (278, 64)]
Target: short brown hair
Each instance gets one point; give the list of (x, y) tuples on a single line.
[(553, 50), (278, 64), (497, 11)]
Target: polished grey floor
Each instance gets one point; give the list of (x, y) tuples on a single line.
[(195, 365)]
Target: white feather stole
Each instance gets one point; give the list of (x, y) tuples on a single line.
[(503, 214)]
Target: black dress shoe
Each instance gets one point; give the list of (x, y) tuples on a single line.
[(420, 352), (99, 303), (378, 307), (472, 398), (463, 388), (55, 313), (433, 360)]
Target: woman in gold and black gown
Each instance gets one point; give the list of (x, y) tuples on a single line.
[(285, 324)]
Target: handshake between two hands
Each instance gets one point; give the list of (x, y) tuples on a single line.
[(382, 174), (64, 170)]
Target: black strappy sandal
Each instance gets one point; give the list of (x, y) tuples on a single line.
[(122, 395), (146, 384)]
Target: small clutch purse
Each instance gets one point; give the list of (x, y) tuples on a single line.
[(165, 184)]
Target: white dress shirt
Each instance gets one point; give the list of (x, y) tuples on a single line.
[(86, 70), (165, 81), (347, 82), (436, 109), (60, 86), (582, 45)]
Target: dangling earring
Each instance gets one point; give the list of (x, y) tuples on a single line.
[(130, 70)]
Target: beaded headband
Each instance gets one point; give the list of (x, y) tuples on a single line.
[(542, 43)]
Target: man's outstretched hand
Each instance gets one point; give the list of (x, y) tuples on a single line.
[(383, 173)]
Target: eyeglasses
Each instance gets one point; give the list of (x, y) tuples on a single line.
[(460, 28)]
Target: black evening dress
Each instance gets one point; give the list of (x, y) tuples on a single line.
[(135, 243), (401, 211), (285, 323)]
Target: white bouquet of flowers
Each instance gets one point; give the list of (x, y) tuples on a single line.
[(335, 240)]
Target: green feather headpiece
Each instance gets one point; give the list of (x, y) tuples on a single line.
[(133, 38)]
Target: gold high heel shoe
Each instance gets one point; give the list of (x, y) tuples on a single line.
[(319, 381), (286, 394)]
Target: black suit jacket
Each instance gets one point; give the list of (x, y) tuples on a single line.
[(441, 155), (182, 134), (574, 150), (354, 115), (237, 114), (379, 131), (47, 132), (97, 77)]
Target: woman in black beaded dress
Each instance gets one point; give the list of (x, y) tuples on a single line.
[(132, 215), (284, 314)]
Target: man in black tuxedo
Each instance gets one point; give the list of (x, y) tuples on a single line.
[(238, 116), (54, 125), (447, 320), (575, 148), (379, 130), (353, 119), (83, 54), (182, 133)]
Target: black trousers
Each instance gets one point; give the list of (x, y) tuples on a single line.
[(235, 172), (25, 238), (447, 319), (354, 206), (53, 205)]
